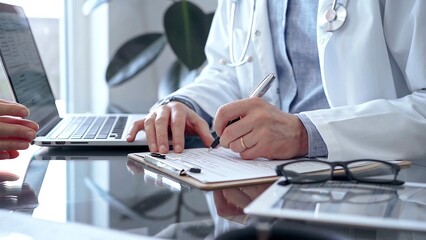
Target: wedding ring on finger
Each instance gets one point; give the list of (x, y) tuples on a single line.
[(242, 143)]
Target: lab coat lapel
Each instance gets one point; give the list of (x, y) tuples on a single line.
[(354, 72)]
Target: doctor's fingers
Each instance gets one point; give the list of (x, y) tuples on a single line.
[(186, 122), (232, 134), (242, 143), (203, 130), (163, 121), (13, 109), (233, 110), (198, 126), (148, 125), (177, 126), (136, 127)]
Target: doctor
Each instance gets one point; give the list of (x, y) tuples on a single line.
[(351, 82)]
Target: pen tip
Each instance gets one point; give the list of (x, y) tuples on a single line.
[(210, 148)]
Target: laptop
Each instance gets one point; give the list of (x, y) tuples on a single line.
[(28, 81)]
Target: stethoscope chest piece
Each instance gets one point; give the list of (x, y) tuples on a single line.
[(333, 18)]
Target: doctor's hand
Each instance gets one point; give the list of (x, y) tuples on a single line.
[(15, 133), (171, 121), (262, 131)]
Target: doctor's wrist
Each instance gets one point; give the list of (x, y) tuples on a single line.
[(316, 144), (169, 99), (177, 99), (303, 141)]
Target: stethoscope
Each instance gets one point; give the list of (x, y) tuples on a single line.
[(243, 58), (333, 19)]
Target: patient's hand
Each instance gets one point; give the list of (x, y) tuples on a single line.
[(16, 133), (8, 176)]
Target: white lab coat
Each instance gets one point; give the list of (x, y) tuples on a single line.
[(373, 72)]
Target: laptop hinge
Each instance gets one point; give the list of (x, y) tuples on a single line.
[(43, 131)]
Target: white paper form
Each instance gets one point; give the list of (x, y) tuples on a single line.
[(222, 165)]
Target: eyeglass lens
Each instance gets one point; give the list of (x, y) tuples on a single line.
[(370, 171), (307, 171), (367, 171)]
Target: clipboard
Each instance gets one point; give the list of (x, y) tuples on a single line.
[(177, 166), (175, 172)]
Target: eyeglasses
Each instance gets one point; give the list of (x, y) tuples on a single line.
[(314, 171)]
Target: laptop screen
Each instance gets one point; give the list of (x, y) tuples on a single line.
[(23, 66)]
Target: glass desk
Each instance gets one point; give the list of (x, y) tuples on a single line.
[(101, 187)]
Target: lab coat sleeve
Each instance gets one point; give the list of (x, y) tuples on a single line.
[(378, 129), (386, 128)]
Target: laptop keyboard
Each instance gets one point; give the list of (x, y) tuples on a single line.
[(91, 128)]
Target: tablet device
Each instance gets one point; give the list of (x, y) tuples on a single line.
[(346, 203)]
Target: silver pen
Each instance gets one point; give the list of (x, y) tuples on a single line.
[(259, 91)]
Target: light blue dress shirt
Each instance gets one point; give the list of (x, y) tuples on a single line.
[(293, 28)]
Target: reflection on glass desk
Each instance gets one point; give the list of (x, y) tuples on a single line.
[(103, 188), (18, 199)]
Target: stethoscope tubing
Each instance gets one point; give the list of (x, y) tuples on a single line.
[(243, 58), (330, 24)]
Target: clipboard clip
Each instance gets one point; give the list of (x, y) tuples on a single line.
[(182, 172), (158, 155)]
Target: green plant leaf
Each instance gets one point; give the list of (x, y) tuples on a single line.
[(187, 27), (134, 56)]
